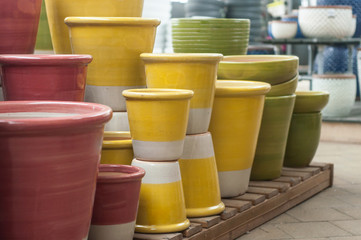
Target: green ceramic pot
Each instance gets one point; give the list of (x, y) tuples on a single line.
[(43, 39), (236, 51), (215, 37), (212, 22), (206, 30), (303, 139), (272, 137), (215, 42), (310, 101), (286, 88)]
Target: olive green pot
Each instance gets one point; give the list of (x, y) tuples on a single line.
[(212, 22), (303, 139), (310, 101), (43, 39)]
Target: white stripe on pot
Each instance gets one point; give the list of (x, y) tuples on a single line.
[(234, 183), (123, 231), (198, 146), (198, 121), (158, 151), (119, 122)]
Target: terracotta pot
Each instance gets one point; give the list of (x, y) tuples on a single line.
[(116, 202), (199, 176), (43, 39), (158, 122), (19, 21), (119, 122), (235, 124), (115, 44), (58, 10), (50, 153), (197, 72), (161, 203), (303, 139), (117, 148), (44, 77), (272, 139)]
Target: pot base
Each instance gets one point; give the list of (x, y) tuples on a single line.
[(162, 228)]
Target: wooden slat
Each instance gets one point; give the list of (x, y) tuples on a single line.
[(302, 175), (268, 192), (192, 229), (206, 222), (291, 180), (168, 236), (254, 198), (323, 166), (238, 204), (313, 170), (228, 213), (282, 187)]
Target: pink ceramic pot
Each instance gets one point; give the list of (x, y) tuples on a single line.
[(50, 152), (19, 21), (44, 77), (116, 202)]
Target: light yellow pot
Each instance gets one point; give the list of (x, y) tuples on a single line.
[(158, 122), (286, 88), (58, 10), (117, 148), (235, 124), (115, 44), (196, 72), (199, 176), (161, 203)]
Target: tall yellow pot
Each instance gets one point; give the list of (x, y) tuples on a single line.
[(235, 124)]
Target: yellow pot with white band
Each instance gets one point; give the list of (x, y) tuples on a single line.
[(117, 148)]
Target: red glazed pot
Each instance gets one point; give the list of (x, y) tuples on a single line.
[(116, 202), (44, 77), (50, 152), (19, 21)]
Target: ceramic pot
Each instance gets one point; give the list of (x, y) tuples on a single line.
[(272, 139), (199, 176), (117, 148), (235, 124), (197, 72), (284, 29), (158, 122), (50, 153), (19, 25), (43, 39), (310, 101), (161, 204), (303, 139), (58, 10), (115, 44), (116, 202), (294, 18), (44, 77), (286, 88), (119, 122)]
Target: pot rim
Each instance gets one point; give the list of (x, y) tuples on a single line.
[(241, 88), (211, 20), (45, 59), (290, 16), (277, 21), (327, 6), (158, 94), (181, 57), (281, 97), (341, 76), (133, 173), (267, 59), (311, 93), (117, 143), (114, 21)]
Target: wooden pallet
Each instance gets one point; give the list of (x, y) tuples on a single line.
[(263, 201)]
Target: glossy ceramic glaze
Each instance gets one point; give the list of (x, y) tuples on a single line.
[(158, 122), (197, 72), (50, 153), (303, 139), (43, 39), (116, 202), (273, 69), (235, 124), (161, 204), (44, 77), (199, 176), (117, 148), (286, 88), (310, 101), (115, 44), (272, 137), (19, 21), (58, 10), (284, 29), (119, 122), (210, 23)]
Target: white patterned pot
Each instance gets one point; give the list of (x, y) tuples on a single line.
[(284, 29)]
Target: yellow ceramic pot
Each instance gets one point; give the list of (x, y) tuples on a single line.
[(197, 72), (158, 122), (199, 176), (286, 88), (115, 44), (117, 148), (235, 124), (161, 204), (58, 10)]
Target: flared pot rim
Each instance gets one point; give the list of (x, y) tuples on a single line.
[(45, 59)]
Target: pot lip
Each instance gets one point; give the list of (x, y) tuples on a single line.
[(211, 20), (158, 94), (281, 97), (45, 59), (133, 173), (327, 6), (269, 59), (288, 22), (341, 76), (301, 94), (117, 143), (115, 21), (241, 88), (181, 57), (82, 115)]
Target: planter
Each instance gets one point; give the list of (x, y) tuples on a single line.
[(44, 77), (43, 39), (19, 25), (272, 139), (284, 29), (197, 72), (303, 139), (116, 202), (119, 122), (161, 204), (199, 177), (310, 101), (286, 88), (58, 10), (117, 148), (50, 153), (235, 124), (158, 122), (115, 44), (294, 18)]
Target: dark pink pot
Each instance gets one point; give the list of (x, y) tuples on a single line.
[(44, 77), (116, 202), (19, 21), (48, 168)]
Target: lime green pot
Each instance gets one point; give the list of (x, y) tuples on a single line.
[(303, 139), (272, 138), (43, 39)]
